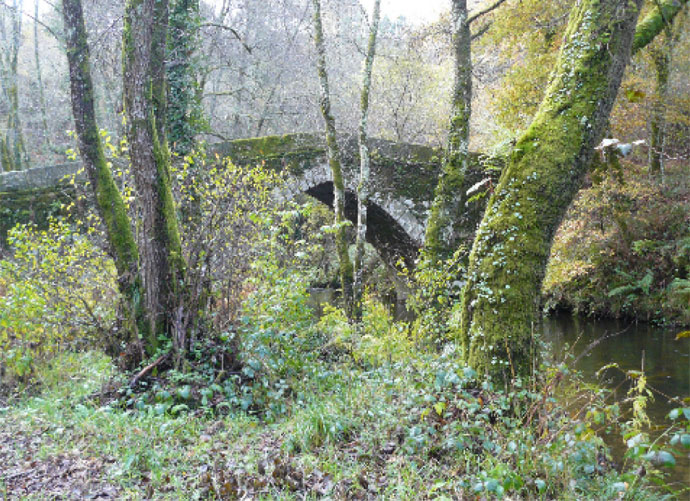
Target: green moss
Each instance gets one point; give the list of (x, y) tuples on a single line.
[(655, 21), (32, 206), (544, 173)]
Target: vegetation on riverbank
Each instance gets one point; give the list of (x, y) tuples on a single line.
[(417, 428), (624, 248)]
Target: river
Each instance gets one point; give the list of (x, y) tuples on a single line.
[(666, 365)]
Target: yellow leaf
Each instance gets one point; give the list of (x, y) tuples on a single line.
[(681, 335)]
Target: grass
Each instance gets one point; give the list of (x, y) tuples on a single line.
[(403, 431)]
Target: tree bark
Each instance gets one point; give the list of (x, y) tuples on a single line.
[(662, 60), (184, 106), (144, 87), (544, 172), (365, 162), (655, 22), (12, 147), (109, 203), (333, 150), (39, 80), (439, 241)]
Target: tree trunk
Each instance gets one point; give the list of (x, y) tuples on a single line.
[(111, 208), (656, 21), (662, 60), (543, 175), (144, 89), (365, 161), (346, 278), (184, 106), (39, 80), (440, 241), (13, 149)]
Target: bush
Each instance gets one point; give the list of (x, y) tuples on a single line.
[(57, 291)]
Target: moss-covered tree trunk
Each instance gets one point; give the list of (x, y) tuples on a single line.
[(160, 248), (439, 241), (184, 111), (543, 175), (346, 274), (109, 203), (363, 188)]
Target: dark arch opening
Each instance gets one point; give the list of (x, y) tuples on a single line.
[(389, 239)]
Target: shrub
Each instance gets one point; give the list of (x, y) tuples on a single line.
[(57, 291)]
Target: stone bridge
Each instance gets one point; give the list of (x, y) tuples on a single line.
[(403, 180)]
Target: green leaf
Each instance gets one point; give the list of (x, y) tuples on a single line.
[(685, 440), (665, 458), (439, 407)]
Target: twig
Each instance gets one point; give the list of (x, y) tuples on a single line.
[(485, 11), (596, 342), (148, 369)]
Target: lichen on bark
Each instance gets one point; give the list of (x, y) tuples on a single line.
[(544, 172)]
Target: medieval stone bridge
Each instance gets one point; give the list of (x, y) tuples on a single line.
[(403, 180)]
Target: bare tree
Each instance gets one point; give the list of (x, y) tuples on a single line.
[(365, 161)]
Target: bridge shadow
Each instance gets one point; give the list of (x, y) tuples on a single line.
[(387, 236)]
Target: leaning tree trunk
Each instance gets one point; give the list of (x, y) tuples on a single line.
[(109, 203), (346, 277), (160, 247), (439, 241), (544, 172), (364, 164)]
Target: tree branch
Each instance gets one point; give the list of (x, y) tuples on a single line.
[(231, 30), (481, 31), (655, 21), (485, 11)]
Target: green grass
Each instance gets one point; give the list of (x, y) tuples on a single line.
[(379, 433)]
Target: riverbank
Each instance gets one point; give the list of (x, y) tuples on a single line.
[(418, 428), (623, 250)]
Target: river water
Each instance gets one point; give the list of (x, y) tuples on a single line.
[(666, 363)]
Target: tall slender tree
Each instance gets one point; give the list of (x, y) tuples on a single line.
[(346, 274), (39, 79), (109, 203), (439, 240), (365, 161), (13, 154)]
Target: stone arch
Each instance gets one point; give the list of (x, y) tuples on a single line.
[(392, 228)]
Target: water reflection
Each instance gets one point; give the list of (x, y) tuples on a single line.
[(666, 362)]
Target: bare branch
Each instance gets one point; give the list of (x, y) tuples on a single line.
[(231, 30), (481, 31), (485, 11)]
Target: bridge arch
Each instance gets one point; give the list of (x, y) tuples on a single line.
[(392, 229)]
